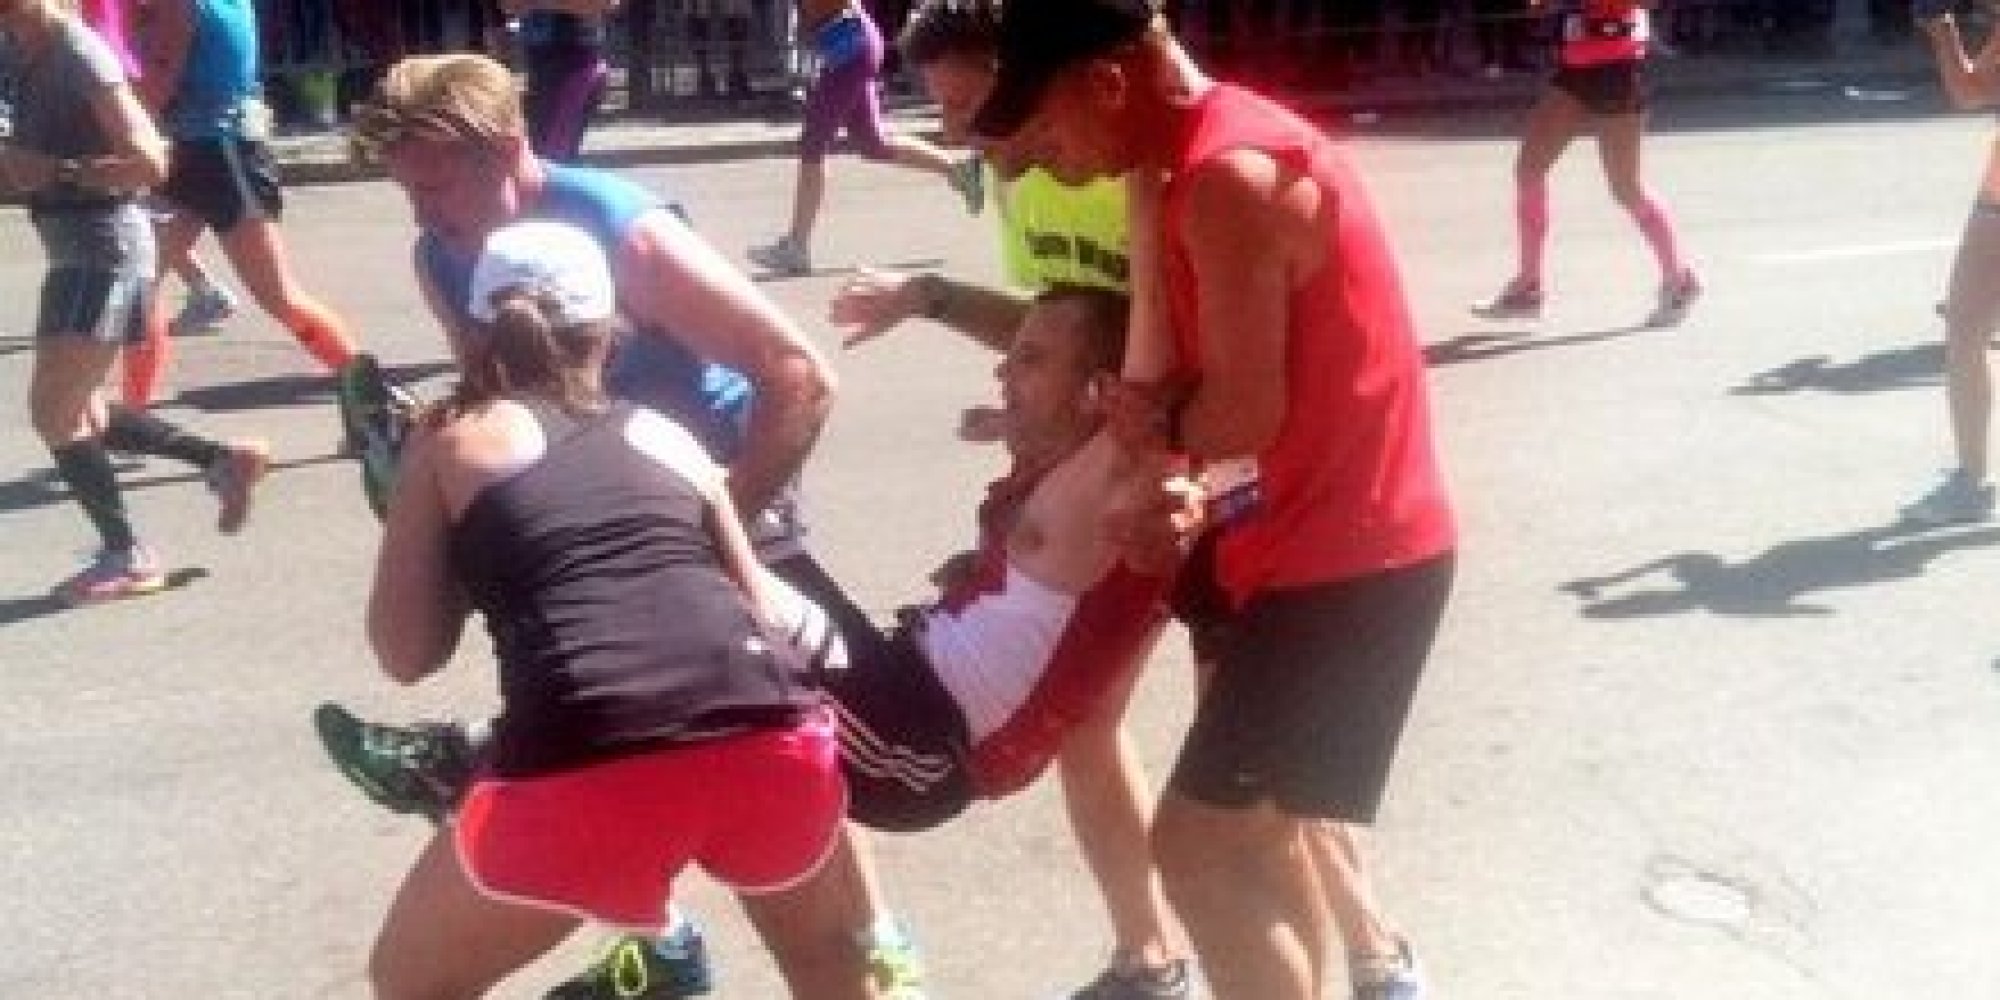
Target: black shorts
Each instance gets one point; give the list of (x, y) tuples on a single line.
[(1198, 602), (223, 181), (1310, 692), (904, 745), (1618, 88)]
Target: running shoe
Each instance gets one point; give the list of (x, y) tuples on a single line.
[(1676, 298), (233, 478), (204, 311), (1168, 982), (637, 968), (421, 769), (782, 256), (968, 178), (1519, 300), (895, 966), (114, 574), (1392, 977), (377, 417), (1958, 498)]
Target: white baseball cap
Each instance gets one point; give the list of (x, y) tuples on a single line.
[(554, 259)]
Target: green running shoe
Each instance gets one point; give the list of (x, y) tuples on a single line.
[(417, 770), (636, 968), (377, 417), (895, 966)]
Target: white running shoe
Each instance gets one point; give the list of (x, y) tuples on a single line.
[(1518, 300), (1677, 297), (1958, 498), (782, 256)]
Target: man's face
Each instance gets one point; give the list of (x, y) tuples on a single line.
[(1044, 383), (460, 191), (1076, 133), (959, 84)]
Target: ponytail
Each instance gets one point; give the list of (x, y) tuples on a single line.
[(523, 352)]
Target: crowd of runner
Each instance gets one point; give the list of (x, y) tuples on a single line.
[(1212, 398)]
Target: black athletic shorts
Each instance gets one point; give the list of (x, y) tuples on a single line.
[(1310, 691), (904, 745), (223, 181), (1618, 88), (1198, 602)]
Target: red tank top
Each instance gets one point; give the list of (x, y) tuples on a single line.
[(1351, 485), (1598, 32), (1112, 623)]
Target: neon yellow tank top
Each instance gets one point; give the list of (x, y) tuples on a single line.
[(1052, 233)]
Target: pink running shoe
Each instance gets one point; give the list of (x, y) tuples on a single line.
[(114, 575), (233, 477)]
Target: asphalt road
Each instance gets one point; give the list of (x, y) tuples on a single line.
[(1701, 723)]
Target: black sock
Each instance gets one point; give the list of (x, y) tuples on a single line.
[(86, 467), (137, 431)]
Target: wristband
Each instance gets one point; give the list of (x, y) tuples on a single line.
[(67, 171)]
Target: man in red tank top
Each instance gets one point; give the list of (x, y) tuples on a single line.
[(1301, 392)]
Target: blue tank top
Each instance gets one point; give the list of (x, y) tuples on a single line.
[(218, 86), (651, 367), (551, 29)]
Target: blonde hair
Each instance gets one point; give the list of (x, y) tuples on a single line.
[(461, 97)]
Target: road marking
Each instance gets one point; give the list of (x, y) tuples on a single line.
[(1858, 251)]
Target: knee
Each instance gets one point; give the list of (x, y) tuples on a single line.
[(1630, 197), (56, 420)]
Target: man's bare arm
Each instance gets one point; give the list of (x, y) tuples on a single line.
[(1242, 230), (671, 279)]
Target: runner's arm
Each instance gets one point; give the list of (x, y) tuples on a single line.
[(874, 302), (669, 278), (169, 33), (141, 159), (1236, 230), (415, 611)]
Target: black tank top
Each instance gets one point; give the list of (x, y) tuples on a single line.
[(615, 626)]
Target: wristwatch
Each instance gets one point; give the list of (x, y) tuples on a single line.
[(68, 170), (933, 296)]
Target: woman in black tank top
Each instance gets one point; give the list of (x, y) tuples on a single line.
[(647, 724)]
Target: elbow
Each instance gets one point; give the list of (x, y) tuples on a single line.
[(153, 165), (810, 385)]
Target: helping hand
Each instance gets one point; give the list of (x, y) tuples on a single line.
[(870, 303)]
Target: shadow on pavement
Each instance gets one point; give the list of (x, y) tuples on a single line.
[(14, 611), (291, 390), (1482, 346), (1774, 582), (41, 488), (1913, 367)]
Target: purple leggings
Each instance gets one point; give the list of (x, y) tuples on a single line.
[(565, 86), (848, 92)]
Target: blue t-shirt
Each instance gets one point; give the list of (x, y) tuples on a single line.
[(218, 93)]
